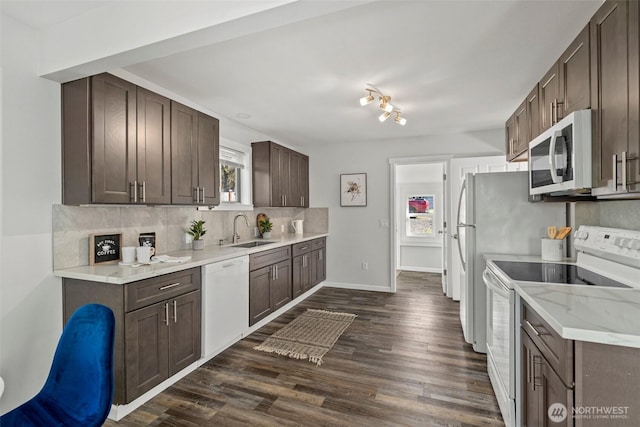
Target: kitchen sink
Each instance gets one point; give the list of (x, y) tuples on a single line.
[(252, 244)]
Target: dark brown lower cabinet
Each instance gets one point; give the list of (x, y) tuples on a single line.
[(543, 390), (318, 266), (575, 383), (157, 326), (309, 265), (161, 340), (269, 282)]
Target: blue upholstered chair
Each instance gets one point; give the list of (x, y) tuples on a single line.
[(79, 388)]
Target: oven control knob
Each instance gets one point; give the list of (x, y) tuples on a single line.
[(634, 244), (624, 242), (582, 235), (618, 241)]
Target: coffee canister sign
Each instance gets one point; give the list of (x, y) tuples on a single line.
[(104, 248)]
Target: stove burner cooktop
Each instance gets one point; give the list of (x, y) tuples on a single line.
[(568, 274)]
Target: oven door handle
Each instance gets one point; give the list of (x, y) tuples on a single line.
[(494, 284)]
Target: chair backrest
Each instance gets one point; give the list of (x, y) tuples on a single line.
[(80, 382)]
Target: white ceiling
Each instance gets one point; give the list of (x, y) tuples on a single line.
[(450, 66)]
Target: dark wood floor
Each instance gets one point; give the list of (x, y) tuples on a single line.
[(402, 362)]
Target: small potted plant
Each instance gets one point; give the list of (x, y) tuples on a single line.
[(197, 231), (265, 228)]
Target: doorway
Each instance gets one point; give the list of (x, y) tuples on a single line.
[(419, 212)]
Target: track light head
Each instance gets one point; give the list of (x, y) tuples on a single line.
[(387, 107), (366, 99), (400, 120), (384, 116)]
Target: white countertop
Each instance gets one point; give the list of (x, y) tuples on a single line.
[(116, 274), (583, 313)]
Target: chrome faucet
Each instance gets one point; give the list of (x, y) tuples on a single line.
[(236, 237)]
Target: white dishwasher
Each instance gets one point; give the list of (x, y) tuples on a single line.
[(225, 304)]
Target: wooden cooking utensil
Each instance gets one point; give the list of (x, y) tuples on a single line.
[(563, 232), (551, 231)]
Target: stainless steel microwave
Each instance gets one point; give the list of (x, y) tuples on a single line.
[(560, 157)]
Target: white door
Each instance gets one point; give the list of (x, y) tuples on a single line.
[(458, 168)]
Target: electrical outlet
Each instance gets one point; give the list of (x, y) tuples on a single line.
[(365, 265), (187, 238), (384, 223), (256, 232), (282, 228)]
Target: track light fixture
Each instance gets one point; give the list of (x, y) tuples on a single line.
[(385, 105)]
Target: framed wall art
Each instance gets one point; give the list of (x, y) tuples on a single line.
[(104, 248), (353, 189)]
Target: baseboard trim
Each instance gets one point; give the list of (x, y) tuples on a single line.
[(422, 269), (118, 412), (357, 287)]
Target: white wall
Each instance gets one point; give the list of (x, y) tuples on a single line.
[(31, 305), (355, 232)]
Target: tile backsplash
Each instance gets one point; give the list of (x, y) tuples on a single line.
[(72, 226)]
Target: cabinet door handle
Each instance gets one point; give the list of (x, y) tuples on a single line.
[(173, 285), (276, 270), (166, 313), (537, 360), (528, 366), (197, 191), (135, 191), (320, 255), (202, 194), (143, 186), (624, 171), (550, 113), (175, 311), (614, 172), (625, 177)]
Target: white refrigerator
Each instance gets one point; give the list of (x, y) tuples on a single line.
[(495, 216)]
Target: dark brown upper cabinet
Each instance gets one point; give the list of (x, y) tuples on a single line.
[(549, 94), (154, 148), (195, 171), (99, 140), (115, 143), (615, 94), (517, 132), (533, 114), (280, 176), (575, 78), (566, 86)]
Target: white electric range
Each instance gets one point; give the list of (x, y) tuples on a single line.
[(607, 258)]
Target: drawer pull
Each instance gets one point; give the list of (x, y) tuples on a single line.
[(304, 248), (227, 265), (535, 331), (173, 285)]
